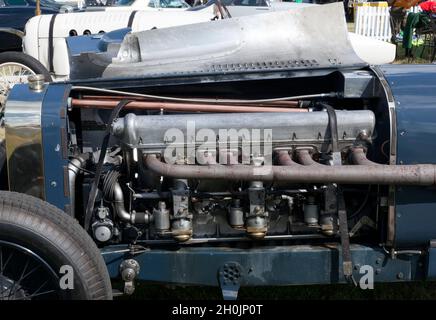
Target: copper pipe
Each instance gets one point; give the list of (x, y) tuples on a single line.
[(285, 103), (171, 106)]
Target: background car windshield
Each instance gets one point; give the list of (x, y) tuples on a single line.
[(173, 4), (16, 3), (249, 3), (160, 3)]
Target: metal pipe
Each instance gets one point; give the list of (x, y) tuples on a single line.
[(420, 174), (214, 240), (290, 104), (358, 156), (173, 106), (305, 158), (284, 158), (74, 167), (200, 100), (134, 217)]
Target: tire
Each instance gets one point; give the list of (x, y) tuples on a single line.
[(21, 60), (28, 61), (3, 168), (43, 234)]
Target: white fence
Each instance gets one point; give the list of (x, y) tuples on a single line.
[(372, 19)]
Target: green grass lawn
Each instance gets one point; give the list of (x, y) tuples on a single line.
[(419, 55), (382, 291)]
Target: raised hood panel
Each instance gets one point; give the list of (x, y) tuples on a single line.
[(313, 37)]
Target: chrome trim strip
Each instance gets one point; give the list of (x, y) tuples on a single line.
[(393, 151)]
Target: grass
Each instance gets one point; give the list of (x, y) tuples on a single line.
[(382, 291), (401, 57)]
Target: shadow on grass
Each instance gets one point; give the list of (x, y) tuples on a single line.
[(385, 291)]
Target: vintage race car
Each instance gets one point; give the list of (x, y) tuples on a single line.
[(235, 168)]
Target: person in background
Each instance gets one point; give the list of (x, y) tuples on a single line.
[(398, 13), (428, 6)]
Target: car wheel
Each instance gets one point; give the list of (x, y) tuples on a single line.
[(15, 67), (46, 254)]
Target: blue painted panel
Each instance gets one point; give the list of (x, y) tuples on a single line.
[(95, 43), (414, 90), (53, 122), (81, 44), (431, 264), (284, 265)]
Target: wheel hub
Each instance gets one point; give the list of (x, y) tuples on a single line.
[(24, 275), (10, 290)]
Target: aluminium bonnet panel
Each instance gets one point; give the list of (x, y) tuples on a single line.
[(314, 37)]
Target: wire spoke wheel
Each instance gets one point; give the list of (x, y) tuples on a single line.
[(46, 254), (24, 275), (12, 73)]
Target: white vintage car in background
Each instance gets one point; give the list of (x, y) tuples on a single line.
[(45, 38)]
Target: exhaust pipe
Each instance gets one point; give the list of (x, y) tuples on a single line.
[(419, 174), (75, 165)]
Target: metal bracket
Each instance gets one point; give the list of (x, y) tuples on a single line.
[(230, 276), (129, 270), (364, 221)]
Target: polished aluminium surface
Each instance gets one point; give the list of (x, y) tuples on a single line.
[(24, 141), (389, 98), (295, 128), (286, 40)]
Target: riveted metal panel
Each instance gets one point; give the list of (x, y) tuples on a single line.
[(54, 133)]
